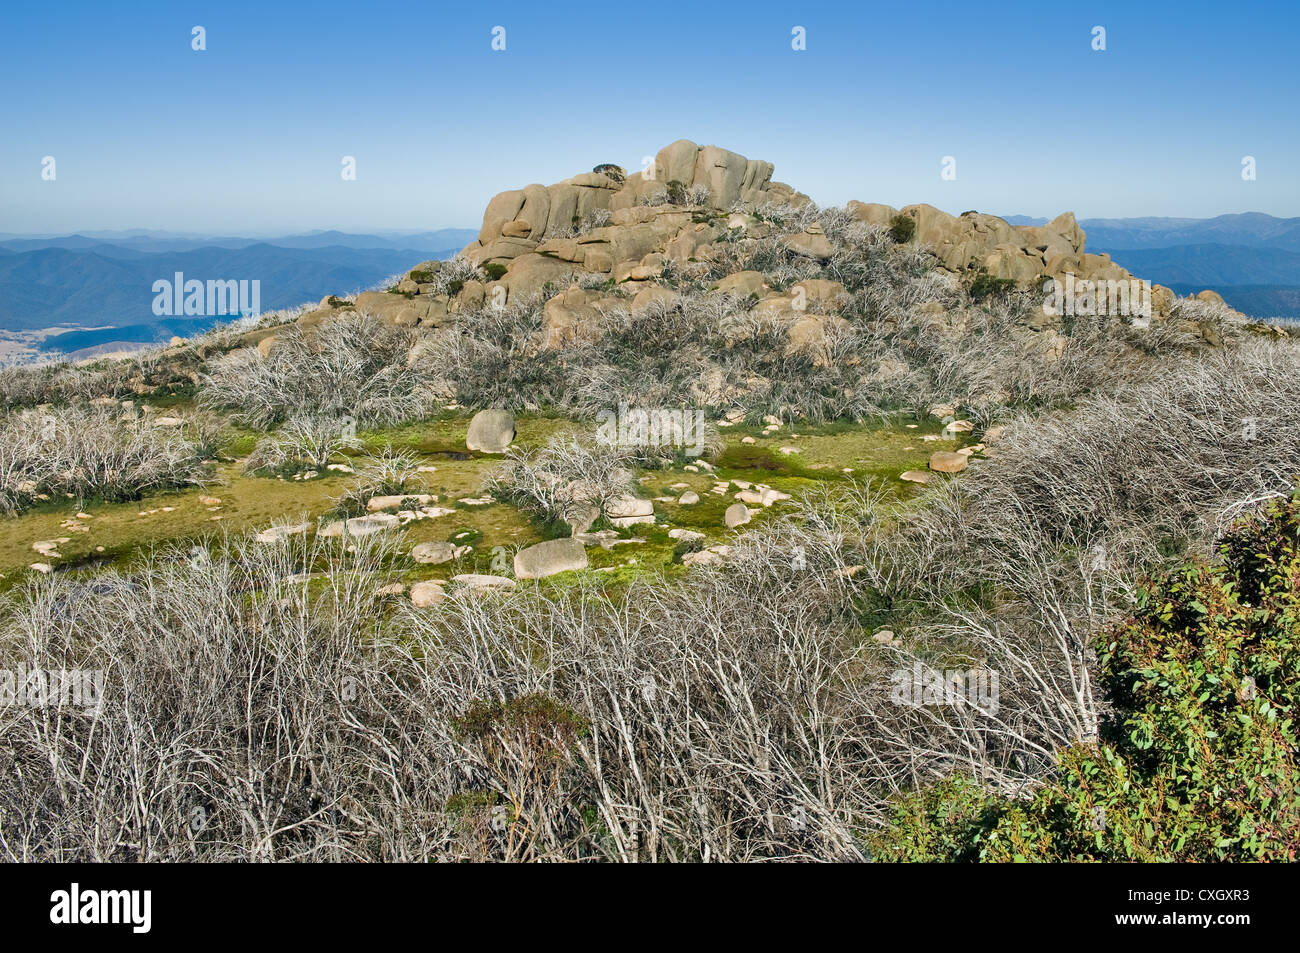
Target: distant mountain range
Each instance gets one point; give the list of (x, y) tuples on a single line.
[(1252, 259), (1211, 265), (104, 283), (99, 284), (153, 241)]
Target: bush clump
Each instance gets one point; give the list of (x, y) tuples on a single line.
[(902, 228), (355, 366), (984, 286), (93, 452), (615, 172), (563, 480), (306, 442), (1197, 758)]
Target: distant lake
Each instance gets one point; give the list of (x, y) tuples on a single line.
[(163, 330)]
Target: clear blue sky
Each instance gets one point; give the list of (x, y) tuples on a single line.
[(247, 137)]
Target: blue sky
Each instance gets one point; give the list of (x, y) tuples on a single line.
[(247, 137)]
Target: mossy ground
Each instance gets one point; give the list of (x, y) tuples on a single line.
[(119, 533)]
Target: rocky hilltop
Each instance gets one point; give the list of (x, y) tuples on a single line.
[(629, 227)]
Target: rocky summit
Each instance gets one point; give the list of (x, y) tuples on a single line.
[(628, 228)]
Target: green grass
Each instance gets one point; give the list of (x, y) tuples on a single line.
[(118, 535)]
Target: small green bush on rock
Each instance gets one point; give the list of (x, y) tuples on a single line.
[(902, 228), (615, 172), (985, 286)]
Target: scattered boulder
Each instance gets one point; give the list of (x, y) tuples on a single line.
[(652, 294), (437, 552), (607, 539), (49, 547), (581, 517), (402, 310), (372, 523), (427, 593), (360, 525), (686, 535), (550, 557), (476, 582), (814, 334), (947, 462), (379, 503), (743, 284), (571, 317), (628, 510), (278, 533), (491, 431), (736, 515), (423, 513), (712, 556), (811, 243), (958, 426)]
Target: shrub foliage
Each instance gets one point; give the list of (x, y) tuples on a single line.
[(1196, 760)]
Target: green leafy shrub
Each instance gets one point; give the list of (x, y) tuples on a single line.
[(685, 547), (543, 721), (986, 286), (902, 228), (615, 172), (1196, 760), (495, 271)]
